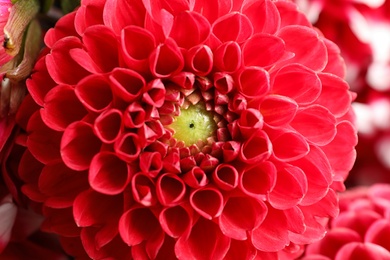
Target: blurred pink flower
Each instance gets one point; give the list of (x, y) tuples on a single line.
[(5, 8), (191, 130), (362, 229)]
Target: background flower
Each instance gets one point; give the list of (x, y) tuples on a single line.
[(361, 230), (253, 87)]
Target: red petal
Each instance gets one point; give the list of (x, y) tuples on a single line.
[(135, 115), (199, 59), (256, 149), (230, 150), (240, 215), (336, 64), (258, 180), (289, 146), (272, 234), (226, 177), (61, 108), (205, 241), (192, 22), (108, 174), (378, 233), (232, 27), (170, 189), (290, 14), (227, 57), (254, 82), (94, 92), (137, 44), (213, 9), (240, 250), (144, 190), (63, 28), (251, 120), (79, 145), (278, 110), (195, 178), (314, 55), (150, 163), (262, 50), (154, 94), (208, 202), (88, 14), (175, 221), (127, 147), (137, 225), (126, 84), (316, 124), (263, 15), (108, 125), (297, 82), (356, 250), (166, 60), (290, 188)]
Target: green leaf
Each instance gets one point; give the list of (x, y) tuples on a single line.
[(69, 5)]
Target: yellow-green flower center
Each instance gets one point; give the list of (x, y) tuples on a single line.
[(194, 124)]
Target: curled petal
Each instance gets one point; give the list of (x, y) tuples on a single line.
[(134, 115), (193, 22), (144, 190), (79, 145), (223, 82), (90, 13), (108, 125), (137, 44), (256, 148), (232, 27), (240, 250), (127, 147), (205, 241), (227, 57), (94, 92), (64, 27), (296, 36), (230, 150), (166, 60), (154, 94), (251, 120), (175, 221), (199, 59), (212, 9), (258, 180), (195, 178), (226, 177), (358, 250), (150, 163), (208, 202), (289, 146), (171, 162), (316, 124), (108, 174), (137, 225), (298, 83), (61, 108), (263, 15), (170, 189), (254, 82), (126, 84), (262, 50), (272, 234), (278, 110), (290, 187), (241, 215)]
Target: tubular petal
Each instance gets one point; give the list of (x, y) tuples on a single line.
[(143, 190), (170, 189), (61, 108), (256, 148), (126, 84), (254, 82), (108, 174), (78, 145), (108, 125), (278, 110), (227, 57), (199, 59), (258, 180), (289, 146), (175, 221), (166, 60), (127, 147), (240, 216), (226, 177), (208, 202), (232, 27)]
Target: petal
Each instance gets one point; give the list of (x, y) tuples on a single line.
[(263, 15), (378, 233), (213, 9), (278, 110), (227, 57), (290, 14), (240, 215), (205, 241), (192, 22), (240, 250), (289, 146), (290, 188), (358, 250), (134, 115), (137, 225), (208, 202), (108, 174), (170, 189), (257, 148), (297, 82), (89, 14), (166, 60), (199, 59), (61, 108), (79, 145), (272, 234), (232, 27), (262, 50), (126, 84), (316, 124), (154, 94), (251, 120), (258, 180), (143, 190), (108, 125), (63, 28), (175, 221), (253, 82), (196, 177), (296, 36), (226, 176), (336, 64), (94, 92), (128, 147)]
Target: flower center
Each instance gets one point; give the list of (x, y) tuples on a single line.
[(193, 125)]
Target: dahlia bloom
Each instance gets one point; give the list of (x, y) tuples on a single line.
[(362, 229), (186, 129)]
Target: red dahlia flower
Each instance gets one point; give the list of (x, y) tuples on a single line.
[(362, 229), (186, 129)]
